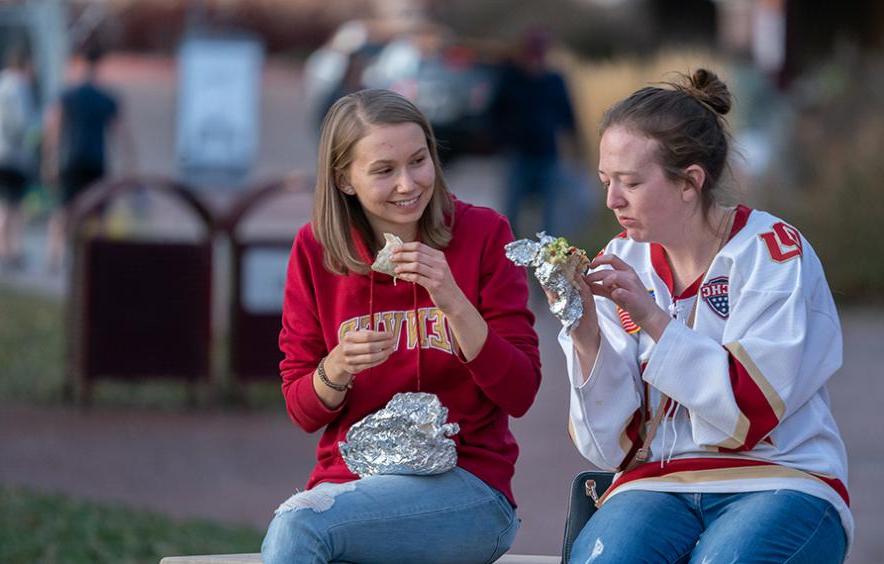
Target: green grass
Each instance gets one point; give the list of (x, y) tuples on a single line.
[(31, 346), (51, 528), (32, 366)]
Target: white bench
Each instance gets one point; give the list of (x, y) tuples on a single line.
[(256, 559)]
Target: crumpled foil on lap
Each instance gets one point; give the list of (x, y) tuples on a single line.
[(408, 436), (568, 308)]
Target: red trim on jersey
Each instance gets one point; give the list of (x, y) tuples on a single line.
[(653, 470), (661, 266), (741, 218), (661, 263), (635, 429), (691, 290), (753, 403), (666, 406), (836, 485)]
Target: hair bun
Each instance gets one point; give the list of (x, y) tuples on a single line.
[(705, 86)]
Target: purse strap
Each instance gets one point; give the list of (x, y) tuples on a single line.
[(644, 453)]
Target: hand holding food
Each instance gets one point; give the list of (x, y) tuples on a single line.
[(557, 266), (384, 261)]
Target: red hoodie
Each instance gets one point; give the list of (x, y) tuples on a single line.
[(480, 395)]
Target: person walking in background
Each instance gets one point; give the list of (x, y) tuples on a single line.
[(456, 325), (699, 367), (349, 83), (16, 153), (533, 117), (76, 144)]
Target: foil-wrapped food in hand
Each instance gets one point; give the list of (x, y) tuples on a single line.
[(408, 436), (384, 261), (557, 264)]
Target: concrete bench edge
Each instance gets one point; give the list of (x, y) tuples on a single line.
[(255, 558)]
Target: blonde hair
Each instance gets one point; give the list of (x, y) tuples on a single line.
[(334, 212)]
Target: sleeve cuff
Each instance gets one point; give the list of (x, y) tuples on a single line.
[(575, 371), (493, 362), (311, 406)]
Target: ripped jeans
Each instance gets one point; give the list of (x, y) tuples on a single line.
[(452, 517), (709, 528)]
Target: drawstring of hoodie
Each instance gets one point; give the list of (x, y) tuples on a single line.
[(370, 307), (371, 323), (416, 320)]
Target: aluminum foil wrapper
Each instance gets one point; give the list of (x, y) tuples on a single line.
[(408, 436), (568, 308)]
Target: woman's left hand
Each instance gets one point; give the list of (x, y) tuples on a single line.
[(622, 285), (417, 262)]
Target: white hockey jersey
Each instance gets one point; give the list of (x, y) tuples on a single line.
[(749, 409)]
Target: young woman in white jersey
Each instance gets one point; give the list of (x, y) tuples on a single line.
[(698, 370)]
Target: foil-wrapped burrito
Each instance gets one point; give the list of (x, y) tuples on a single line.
[(408, 436), (556, 265), (384, 261)]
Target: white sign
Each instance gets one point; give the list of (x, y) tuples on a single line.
[(219, 103), (263, 279)]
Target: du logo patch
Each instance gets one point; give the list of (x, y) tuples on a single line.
[(714, 293)]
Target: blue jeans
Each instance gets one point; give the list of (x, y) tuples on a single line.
[(766, 526), (452, 517)]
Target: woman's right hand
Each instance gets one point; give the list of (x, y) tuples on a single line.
[(585, 335), (358, 351), (586, 331)]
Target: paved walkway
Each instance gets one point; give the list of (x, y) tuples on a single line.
[(236, 467)]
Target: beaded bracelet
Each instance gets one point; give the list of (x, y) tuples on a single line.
[(323, 377)]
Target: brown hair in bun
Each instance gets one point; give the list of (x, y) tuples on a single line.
[(686, 118)]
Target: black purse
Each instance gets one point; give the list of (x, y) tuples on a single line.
[(586, 488)]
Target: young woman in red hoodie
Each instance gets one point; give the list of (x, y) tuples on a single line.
[(456, 325)]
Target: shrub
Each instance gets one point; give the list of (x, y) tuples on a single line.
[(827, 178)]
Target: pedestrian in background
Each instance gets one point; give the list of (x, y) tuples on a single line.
[(350, 82), (80, 127), (533, 118), (16, 153)]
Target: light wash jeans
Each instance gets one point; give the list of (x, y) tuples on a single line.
[(452, 517), (767, 526)]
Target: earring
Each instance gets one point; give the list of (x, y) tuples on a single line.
[(348, 190)]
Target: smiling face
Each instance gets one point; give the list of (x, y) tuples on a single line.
[(392, 175), (648, 204)]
